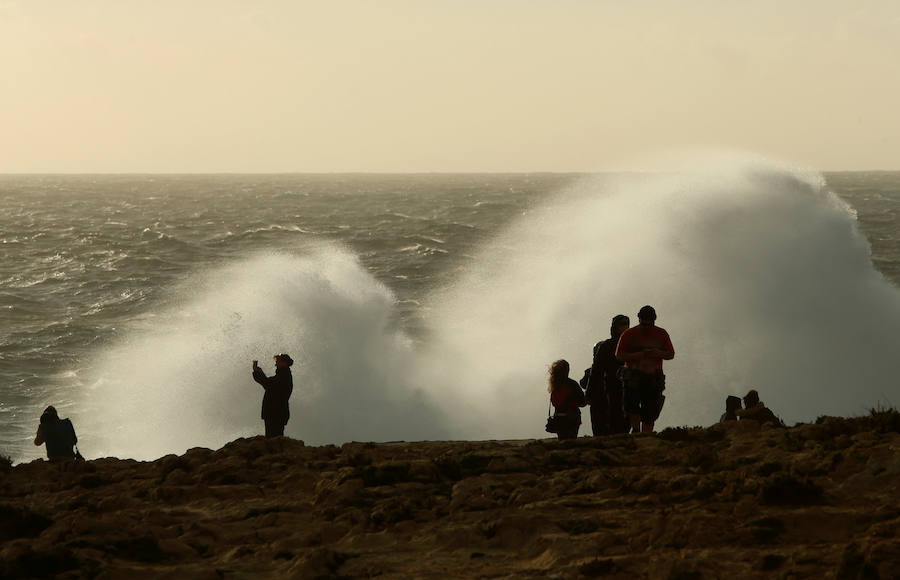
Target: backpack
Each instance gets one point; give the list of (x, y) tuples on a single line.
[(578, 394)]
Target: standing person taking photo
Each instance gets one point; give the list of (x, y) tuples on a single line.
[(566, 397), (643, 350), (275, 410)]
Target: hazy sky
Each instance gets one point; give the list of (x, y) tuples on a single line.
[(443, 85)]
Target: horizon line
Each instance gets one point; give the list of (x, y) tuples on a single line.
[(383, 173)]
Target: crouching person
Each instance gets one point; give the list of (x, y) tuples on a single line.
[(59, 436)]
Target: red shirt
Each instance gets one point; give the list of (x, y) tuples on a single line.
[(567, 397), (637, 340)]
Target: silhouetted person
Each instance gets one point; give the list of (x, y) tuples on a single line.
[(755, 410), (732, 405), (567, 398), (58, 434), (275, 410), (643, 350), (604, 390)]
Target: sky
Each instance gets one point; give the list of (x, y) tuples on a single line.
[(197, 86)]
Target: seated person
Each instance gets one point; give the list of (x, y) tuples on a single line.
[(755, 410), (732, 405), (58, 434)]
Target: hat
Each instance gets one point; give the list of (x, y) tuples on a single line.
[(647, 313), (286, 358)]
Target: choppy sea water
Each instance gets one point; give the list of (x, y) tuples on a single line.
[(106, 280)]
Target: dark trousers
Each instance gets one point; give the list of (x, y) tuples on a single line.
[(618, 422), (599, 416), (643, 395), (569, 428), (608, 413), (599, 413), (274, 429)]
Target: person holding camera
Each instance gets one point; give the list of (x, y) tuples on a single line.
[(643, 350), (58, 434), (275, 409)]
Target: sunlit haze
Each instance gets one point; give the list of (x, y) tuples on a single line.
[(443, 85)]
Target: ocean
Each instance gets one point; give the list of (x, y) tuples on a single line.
[(429, 306)]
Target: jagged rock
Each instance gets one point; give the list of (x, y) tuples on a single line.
[(729, 501)]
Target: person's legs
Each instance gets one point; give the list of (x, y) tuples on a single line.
[(274, 429), (616, 412), (569, 430), (633, 402), (649, 402), (599, 416)]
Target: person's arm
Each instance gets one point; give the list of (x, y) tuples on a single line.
[(666, 350), (752, 412), (39, 437), (598, 370), (624, 352), (260, 377), (579, 400)]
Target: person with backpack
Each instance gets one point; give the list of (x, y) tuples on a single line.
[(643, 350), (567, 399), (604, 387), (275, 409), (59, 436)]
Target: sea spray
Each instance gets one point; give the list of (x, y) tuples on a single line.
[(182, 379), (758, 272)]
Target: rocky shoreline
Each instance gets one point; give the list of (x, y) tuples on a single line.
[(739, 500)]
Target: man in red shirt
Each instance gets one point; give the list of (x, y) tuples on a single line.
[(642, 349)]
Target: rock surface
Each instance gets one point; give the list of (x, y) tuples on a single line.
[(732, 501)]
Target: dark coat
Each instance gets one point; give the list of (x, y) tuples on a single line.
[(59, 435), (604, 370), (278, 390)]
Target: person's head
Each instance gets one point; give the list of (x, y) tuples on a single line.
[(732, 403), (620, 323), (751, 399), (647, 316), (283, 360), (49, 414), (559, 372)]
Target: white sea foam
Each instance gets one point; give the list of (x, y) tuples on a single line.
[(758, 273), (185, 381)]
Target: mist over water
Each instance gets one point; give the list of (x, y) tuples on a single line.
[(188, 382), (757, 271)]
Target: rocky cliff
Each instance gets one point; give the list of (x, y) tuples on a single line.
[(732, 501)]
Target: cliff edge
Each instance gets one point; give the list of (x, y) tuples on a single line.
[(737, 500)]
